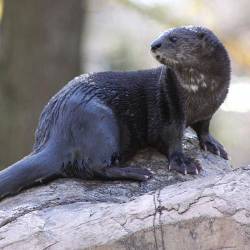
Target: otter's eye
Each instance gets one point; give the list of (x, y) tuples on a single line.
[(201, 35), (173, 39)]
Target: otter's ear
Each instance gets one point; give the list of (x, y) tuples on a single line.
[(201, 35)]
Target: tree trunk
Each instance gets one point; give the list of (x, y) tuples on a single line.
[(40, 52), (170, 211)]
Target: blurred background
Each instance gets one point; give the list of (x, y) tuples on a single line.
[(44, 44)]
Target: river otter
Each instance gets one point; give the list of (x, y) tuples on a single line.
[(99, 120)]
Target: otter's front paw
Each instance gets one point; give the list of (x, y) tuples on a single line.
[(208, 143), (184, 164)]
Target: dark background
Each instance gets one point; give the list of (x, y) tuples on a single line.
[(44, 44)]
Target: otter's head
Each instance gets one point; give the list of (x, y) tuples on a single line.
[(186, 46)]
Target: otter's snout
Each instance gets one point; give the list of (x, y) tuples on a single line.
[(155, 45)]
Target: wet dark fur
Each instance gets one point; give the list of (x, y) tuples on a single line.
[(97, 122)]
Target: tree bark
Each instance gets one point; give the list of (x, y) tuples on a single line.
[(40, 52)]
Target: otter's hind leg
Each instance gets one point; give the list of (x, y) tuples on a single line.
[(101, 143), (127, 173)]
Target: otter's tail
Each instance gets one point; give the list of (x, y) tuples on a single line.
[(30, 170)]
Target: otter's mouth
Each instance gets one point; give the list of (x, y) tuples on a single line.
[(163, 59)]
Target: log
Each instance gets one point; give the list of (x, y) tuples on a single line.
[(170, 211)]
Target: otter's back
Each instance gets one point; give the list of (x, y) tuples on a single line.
[(123, 92)]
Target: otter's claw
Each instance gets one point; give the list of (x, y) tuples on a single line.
[(210, 144), (184, 164)]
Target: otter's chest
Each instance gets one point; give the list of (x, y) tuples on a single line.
[(202, 105)]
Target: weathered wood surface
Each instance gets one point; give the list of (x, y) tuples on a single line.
[(170, 211)]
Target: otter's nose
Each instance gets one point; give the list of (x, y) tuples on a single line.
[(155, 45)]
